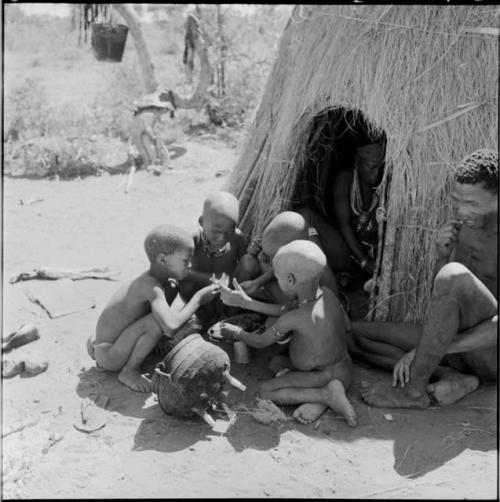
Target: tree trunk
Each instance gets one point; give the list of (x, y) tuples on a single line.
[(134, 24), (223, 51), (199, 98)]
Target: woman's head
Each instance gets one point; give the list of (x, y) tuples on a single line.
[(369, 159)]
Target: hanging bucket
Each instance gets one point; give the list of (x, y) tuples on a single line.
[(108, 41)]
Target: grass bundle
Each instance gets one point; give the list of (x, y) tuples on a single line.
[(427, 75)]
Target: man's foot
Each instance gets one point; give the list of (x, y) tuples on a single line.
[(337, 401), (452, 387), (385, 396), (134, 380), (309, 412)]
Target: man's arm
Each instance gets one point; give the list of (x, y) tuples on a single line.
[(482, 336)]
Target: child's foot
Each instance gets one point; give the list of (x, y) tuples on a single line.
[(385, 396), (309, 412), (452, 387), (337, 401), (134, 380)]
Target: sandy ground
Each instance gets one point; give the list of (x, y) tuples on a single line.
[(141, 452)]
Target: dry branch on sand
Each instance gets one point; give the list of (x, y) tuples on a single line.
[(425, 75)]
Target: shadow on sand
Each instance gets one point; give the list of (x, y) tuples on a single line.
[(423, 440)]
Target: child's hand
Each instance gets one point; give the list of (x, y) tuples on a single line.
[(401, 370), (208, 293), (235, 298), (250, 287), (223, 279)]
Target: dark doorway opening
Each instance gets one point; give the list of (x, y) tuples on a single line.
[(336, 195)]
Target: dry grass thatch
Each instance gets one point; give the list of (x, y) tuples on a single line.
[(426, 74)]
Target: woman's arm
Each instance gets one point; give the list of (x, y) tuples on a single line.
[(341, 195)]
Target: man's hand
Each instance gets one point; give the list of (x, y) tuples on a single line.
[(401, 371), (235, 298), (447, 237), (208, 293)]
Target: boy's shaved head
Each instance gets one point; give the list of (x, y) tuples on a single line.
[(302, 258), (222, 203), (166, 239), (284, 228)]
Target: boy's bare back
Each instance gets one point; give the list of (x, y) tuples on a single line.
[(319, 338)]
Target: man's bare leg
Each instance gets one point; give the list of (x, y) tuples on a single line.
[(451, 386), (459, 301)]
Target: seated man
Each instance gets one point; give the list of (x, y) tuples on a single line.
[(256, 264), (314, 326), (138, 314), (460, 328), (218, 248)]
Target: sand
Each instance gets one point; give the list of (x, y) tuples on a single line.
[(141, 452)]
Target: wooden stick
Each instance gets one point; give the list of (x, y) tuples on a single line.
[(235, 383), (130, 177), (205, 416)]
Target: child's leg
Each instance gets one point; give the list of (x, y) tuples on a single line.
[(332, 395), (248, 268), (129, 351), (317, 378), (280, 363), (290, 383)]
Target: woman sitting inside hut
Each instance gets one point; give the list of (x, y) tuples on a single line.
[(354, 234)]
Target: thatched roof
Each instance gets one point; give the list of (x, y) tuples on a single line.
[(426, 74)]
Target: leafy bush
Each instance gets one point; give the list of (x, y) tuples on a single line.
[(26, 111)]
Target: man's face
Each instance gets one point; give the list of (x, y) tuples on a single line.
[(369, 160), (218, 228), (179, 263), (473, 203)]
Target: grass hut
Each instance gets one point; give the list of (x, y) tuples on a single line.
[(425, 75)]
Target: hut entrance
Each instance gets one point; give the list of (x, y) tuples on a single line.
[(338, 191)]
